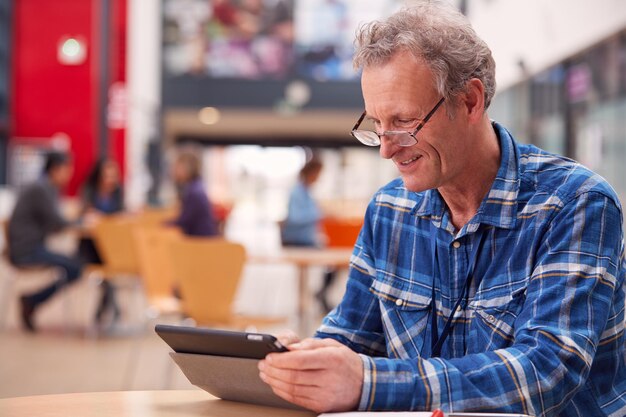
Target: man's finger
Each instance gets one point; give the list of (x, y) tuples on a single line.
[(292, 376), (287, 337), (321, 358), (293, 390), (314, 404), (308, 344)]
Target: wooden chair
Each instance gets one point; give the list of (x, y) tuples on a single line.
[(158, 278), (157, 216), (209, 271), (156, 270), (114, 239)]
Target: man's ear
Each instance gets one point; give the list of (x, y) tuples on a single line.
[(473, 100)]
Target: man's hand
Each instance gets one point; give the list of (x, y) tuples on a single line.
[(319, 374), (287, 337)]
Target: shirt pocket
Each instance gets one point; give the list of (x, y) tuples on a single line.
[(493, 324), (404, 315)]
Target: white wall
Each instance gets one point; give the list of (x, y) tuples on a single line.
[(542, 32), (144, 93)]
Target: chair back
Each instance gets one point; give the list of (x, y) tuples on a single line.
[(155, 263), (341, 233), (208, 271), (157, 216), (113, 237)]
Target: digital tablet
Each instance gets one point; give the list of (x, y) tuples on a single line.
[(218, 342)]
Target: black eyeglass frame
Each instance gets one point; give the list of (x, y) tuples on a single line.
[(419, 126)]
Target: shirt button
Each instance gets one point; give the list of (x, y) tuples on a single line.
[(399, 302), (456, 244), (491, 319)]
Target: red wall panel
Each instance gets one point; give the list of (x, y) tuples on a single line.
[(117, 54), (49, 97)]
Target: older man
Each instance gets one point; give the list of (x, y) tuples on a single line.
[(489, 277)]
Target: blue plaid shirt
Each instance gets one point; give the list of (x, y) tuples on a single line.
[(542, 331)]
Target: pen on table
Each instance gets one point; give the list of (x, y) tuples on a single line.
[(437, 413)]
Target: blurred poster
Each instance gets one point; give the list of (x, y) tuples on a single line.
[(325, 31), (249, 39), (265, 39)]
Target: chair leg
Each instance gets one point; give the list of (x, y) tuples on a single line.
[(93, 283), (62, 285), (8, 287)]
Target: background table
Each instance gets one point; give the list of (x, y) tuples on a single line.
[(303, 259), (136, 404)]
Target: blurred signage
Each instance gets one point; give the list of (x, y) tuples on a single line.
[(578, 83), (117, 108), (26, 157)]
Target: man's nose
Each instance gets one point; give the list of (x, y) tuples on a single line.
[(387, 147)]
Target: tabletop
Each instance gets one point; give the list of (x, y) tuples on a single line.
[(136, 404), (338, 257)]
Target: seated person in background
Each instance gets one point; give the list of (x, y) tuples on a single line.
[(301, 227), (490, 276), (101, 195), (196, 216), (35, 217), (102, 192)]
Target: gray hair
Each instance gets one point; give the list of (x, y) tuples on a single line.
[(437, 34)]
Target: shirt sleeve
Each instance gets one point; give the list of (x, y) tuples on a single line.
[(577, 270), (356, 321)]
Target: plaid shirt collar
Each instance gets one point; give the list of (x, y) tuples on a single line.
[(499, 207)]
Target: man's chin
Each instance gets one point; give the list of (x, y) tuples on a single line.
[(415, 186)]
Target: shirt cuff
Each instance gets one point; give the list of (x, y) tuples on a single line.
[(369, 368), (395, 384)]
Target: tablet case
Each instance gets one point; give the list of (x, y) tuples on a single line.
[(228, 378)]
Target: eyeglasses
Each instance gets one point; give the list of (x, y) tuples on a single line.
[(400, 138)]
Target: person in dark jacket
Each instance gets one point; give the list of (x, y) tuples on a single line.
[(35, 217), (196, 216)]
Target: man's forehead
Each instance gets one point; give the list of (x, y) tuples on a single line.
[(398, 78), (399, 103)]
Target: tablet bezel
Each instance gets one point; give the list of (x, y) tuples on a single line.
[(206, 341)]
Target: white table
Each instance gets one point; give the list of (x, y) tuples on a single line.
[(304, 259)]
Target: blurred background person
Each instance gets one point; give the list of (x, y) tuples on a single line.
[(196, 216), (302, 225), (101, 195), (35, 217), (102, 192)]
